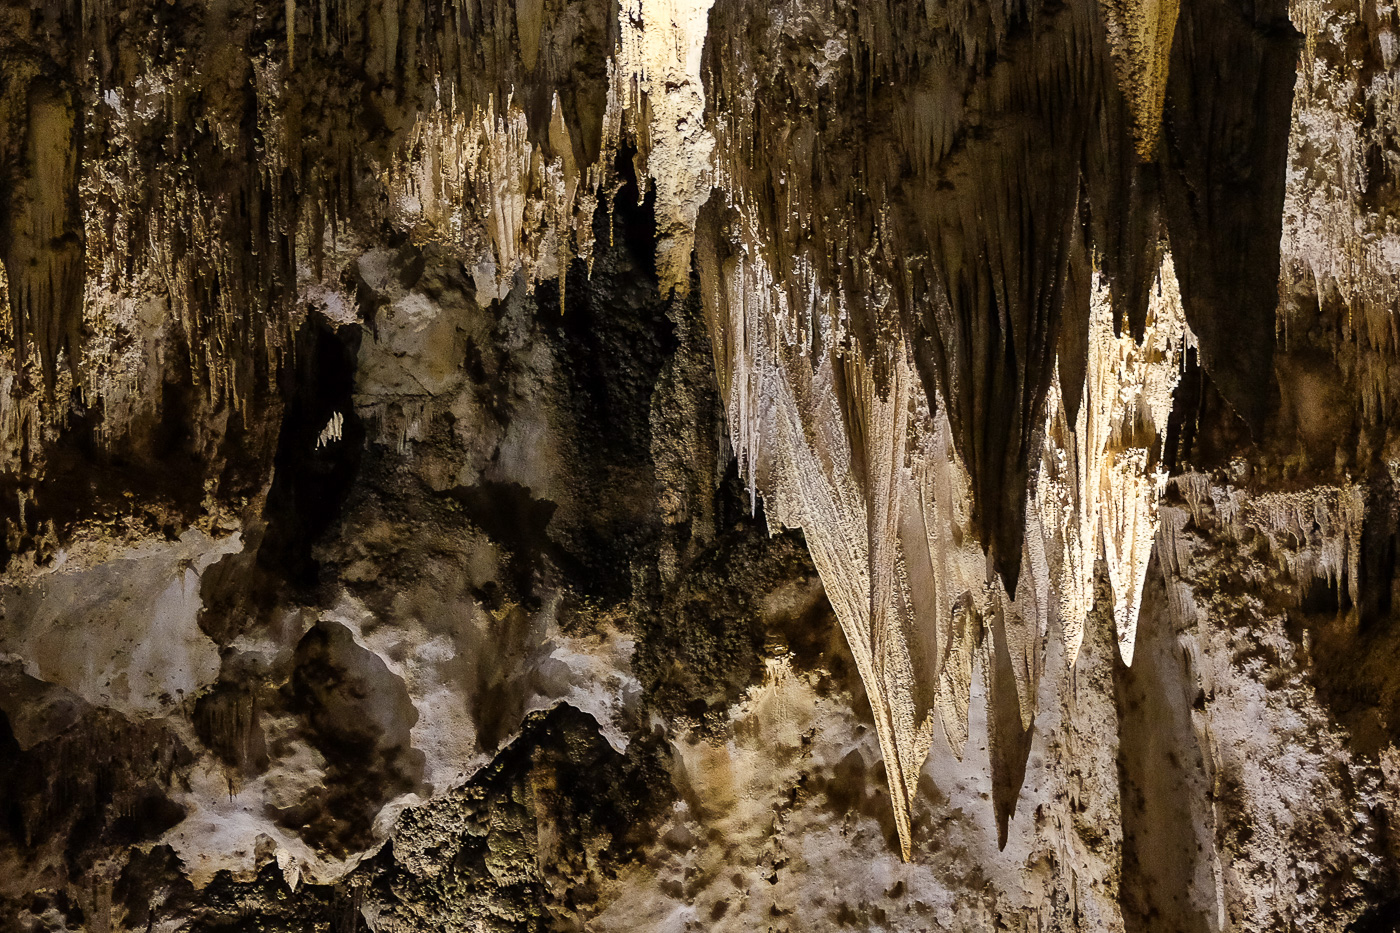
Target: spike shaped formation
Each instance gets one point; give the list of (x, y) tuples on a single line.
[(659, 61), (846, 448), (1102, 477), (827, 448), (38, 233)]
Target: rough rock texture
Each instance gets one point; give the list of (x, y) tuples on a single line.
[(699, 465)]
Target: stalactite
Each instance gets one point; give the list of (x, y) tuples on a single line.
[(291, 16), (1101, 478), (843, 487), (40, 239), (332, 432), (1233, 66), (659, 58), (1140, 34)]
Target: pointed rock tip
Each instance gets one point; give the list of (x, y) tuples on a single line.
[(1004, 553)]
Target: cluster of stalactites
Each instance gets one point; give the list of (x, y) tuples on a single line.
[(1313, 535), (847, 448), (468, 173), (1337, 245), (1102, 476), (165, 258), (151, 255)]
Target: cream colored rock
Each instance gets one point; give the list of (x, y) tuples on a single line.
[(658, 60), (1101, 479), (123, 634)]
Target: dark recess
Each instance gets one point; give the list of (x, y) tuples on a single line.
[(310, 484)]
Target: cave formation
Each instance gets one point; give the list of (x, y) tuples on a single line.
[(676, 465)]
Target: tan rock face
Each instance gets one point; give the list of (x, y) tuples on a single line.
[(670, 465), (1140, 36)]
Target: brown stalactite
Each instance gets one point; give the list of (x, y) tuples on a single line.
[(1230, 96), (42, 239)]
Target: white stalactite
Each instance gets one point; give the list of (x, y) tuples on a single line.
[(659, 58), (847, 449), (1101, 480)]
